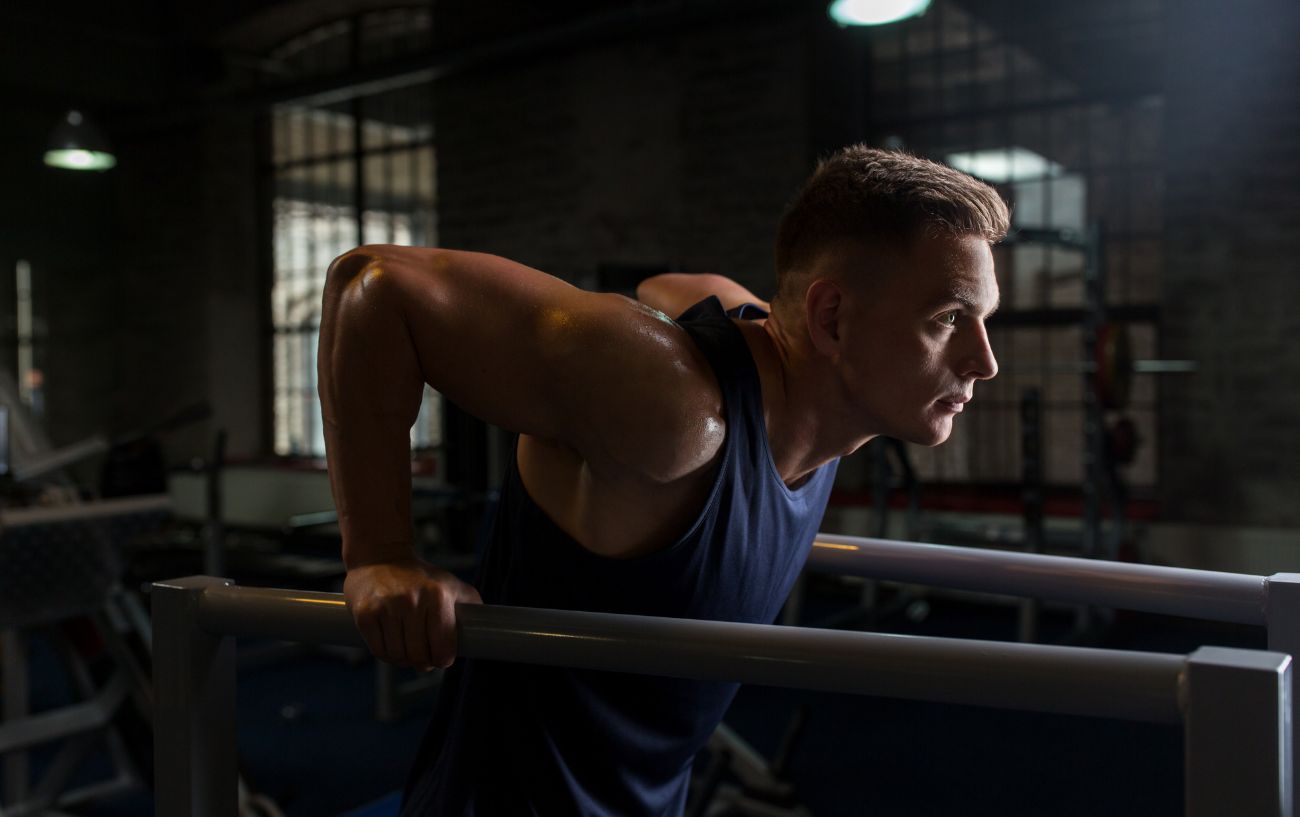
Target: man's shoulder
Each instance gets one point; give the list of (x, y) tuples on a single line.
[(647, 404)]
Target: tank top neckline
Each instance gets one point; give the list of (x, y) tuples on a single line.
[(713, 306)]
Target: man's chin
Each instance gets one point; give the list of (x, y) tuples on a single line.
[(932, 436)]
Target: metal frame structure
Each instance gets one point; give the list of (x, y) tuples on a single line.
[(1235, 705), (59, 563), (1269, 601)]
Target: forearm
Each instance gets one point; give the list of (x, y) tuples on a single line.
[(370, 389)]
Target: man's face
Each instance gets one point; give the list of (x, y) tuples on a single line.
[(914, 337)]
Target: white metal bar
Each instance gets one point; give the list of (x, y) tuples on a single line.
[(88, 510), (1235, 704), (1104, 683), (1151, 588)]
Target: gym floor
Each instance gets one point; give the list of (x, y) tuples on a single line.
[(857, 755)]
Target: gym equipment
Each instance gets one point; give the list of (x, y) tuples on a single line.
[(1234, 704), (1122, 441), (59, 564), (764, 790), (1032, 495), (135, 465), (1113, 368), (1107, 359)]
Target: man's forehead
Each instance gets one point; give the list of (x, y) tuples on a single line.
[(972, 288), (957, 270)]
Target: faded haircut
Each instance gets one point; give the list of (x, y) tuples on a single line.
[(885, 199)]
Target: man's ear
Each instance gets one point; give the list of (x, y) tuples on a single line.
[(823, 309)]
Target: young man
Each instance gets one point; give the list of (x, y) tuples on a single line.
[(676, 468)]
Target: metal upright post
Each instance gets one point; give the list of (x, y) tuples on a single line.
[(387, 709), (1282, 590), (1237, 721), (1094, 310), (195, 765), (214, 531), (1031, 470), (14, 703)]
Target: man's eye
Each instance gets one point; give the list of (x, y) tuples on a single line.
[(948, 319)]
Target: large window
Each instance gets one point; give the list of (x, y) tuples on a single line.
[(350, 172), (1016, 92)]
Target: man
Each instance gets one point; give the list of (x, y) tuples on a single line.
[(663, 467)]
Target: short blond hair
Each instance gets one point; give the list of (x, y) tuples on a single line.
[(885, 198)]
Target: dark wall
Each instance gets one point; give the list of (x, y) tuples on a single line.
[(146, 278), (62, 224), (676, 148), (1231, 433), (192, 321)]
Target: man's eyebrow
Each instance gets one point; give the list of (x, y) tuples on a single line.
[(967, 300)]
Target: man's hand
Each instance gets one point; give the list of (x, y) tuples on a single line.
[(406, 610)]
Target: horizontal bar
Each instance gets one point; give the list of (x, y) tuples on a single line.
[(289, 615), (52, 724), (44, 462), (1100, 683), (1176, 591), (124, 506), (1165, 366), (1049, 366)]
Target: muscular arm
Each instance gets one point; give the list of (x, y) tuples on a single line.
[(674, 292), (514, 346)]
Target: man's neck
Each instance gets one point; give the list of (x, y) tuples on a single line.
[(800, 402)]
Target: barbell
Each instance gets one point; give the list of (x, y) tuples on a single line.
[(1113, 366)]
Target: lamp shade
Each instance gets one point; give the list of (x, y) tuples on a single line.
[(76, 144), (875, 12)]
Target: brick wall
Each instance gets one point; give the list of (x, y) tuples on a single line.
[(146, 281), (1231, 434), (677, 149)]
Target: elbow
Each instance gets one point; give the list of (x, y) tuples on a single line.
[(366, 275), (352, 265), (353, 299)]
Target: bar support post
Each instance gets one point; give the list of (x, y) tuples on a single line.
[(195, 756), (1237, 722), (1282, 591)]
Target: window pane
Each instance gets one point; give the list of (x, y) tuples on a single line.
[(315, 204)]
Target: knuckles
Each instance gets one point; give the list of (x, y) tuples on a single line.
[(422, 603), (402, 601)]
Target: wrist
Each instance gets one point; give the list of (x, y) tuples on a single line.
[(371, 553)]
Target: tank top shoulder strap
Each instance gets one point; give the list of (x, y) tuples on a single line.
[(724, 346)]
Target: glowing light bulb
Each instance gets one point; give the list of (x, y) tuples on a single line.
[(76, 159), (875, 12)]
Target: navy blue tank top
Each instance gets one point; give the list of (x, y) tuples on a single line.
[(511, 739)]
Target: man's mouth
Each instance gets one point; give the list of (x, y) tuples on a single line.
[(954, 403)]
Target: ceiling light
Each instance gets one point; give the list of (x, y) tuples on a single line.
[(875, 12), (77, 144)]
